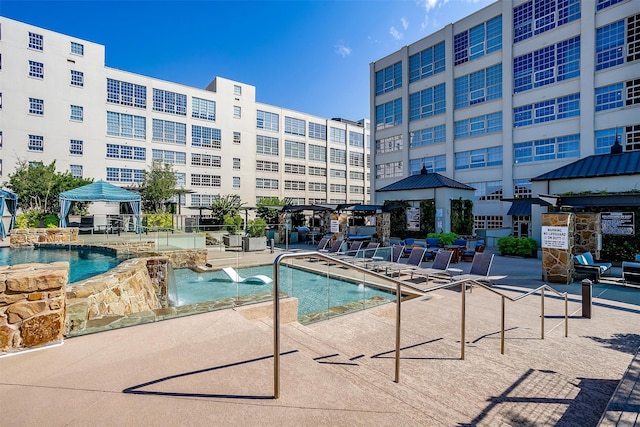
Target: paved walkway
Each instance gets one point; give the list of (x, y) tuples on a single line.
[(217, 368)]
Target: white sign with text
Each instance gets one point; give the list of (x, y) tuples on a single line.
[(555, 237)]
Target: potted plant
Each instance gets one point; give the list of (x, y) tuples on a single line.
[(255, 240), (233, 225)]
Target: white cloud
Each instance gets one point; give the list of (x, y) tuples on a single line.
[(405, 23), (431, 4), (395, 33), (343, 50)]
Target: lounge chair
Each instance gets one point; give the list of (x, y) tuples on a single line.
[(480, 268), (351, 251), (467, 255), (335, 248), (365, 254), (412, 263), (584, 264), (631, 272), (438, 268), (86, 224), (235, 277), (380, 264), (322, 244)]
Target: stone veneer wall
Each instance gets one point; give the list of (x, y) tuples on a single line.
[(588, 227), (383, 228), (32, 305), (21, 237), (557, 264), (123, 290)]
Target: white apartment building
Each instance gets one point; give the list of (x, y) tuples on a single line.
[(508, 93), (58, 101)]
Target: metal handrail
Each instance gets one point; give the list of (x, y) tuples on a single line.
[(464, 284)]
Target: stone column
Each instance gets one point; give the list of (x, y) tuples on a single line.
[(383, 228), (588, 228), (557, 259)]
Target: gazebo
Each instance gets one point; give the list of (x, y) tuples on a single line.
[(11, 200), (100, 191)]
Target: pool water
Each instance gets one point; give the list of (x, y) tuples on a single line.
[(314, 291), (83, 263)]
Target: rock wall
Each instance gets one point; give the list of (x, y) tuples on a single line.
[(383, 228), (32, 305), (21, 237), (588, 227), (557, 264), (123, 290)]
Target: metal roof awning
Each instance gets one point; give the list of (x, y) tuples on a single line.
[(522, 206)]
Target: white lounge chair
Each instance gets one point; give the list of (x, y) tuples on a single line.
[(234, 276)]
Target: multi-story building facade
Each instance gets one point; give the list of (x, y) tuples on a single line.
[(58, 101), (506, 94)]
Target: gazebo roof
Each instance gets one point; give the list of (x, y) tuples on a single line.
[(100, 191)]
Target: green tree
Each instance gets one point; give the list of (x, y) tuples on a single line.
[(158, 186), (227, 204), (38, 186)]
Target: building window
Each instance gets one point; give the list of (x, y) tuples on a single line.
[(317, 131), (338, 156), (317, 153), (427, 63), (77, 113), (481, 222), (538, 16), (294, 169), (263, 165), (632, 134), (170, 157), (236, 182), (479, 125), (293, 126), (237, 90), (604, 139), (356, 139), (77, 78), (633, 38), (125, 175), (236, 163), (169, 102), (203, 109), (337, 188), (389, 114), (125, 93), (267, 145), (553, 109), (356, 159), (201, 180), (294, 185), (431, 164), (433, 135), (337, 173), (338, 136), (389, 78), (75, 147), (237, 112), (319, 187), (482, 158), (294, 150), (478, 41), (316, 171), (207, 160), (633, 92), (0, 139), (487, 190), (166, 131), (36, 106), (390, 144), (36, 69), (126, 125), (206, 137), (36, 143), (610, 45), (236, 137), (77, 48), (115, 151), (267, 121), (601, 4), (76, 171), (389, 170), (358, 176), (36, 41), (522, 188), (428, 102), (562, 147), (268, 184), (609, 97), (481, 86)]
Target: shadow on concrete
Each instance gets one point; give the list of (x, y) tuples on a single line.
[(136, 389), (625, 343)]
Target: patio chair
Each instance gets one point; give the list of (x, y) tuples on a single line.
[(585, 265), (467, 255), (365, 254), (86, 224), (322, 244), (411, 263), (480, 268), (378, 264), (438, 268), (351, 251)]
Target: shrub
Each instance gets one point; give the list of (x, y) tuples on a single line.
[(51, 221), (158, 221), (22, 221), (256, 227), (232, 223), (519, 246), (445, 238)]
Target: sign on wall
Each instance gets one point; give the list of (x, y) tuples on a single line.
[(335, 226), (413, 219), (619, 223), (555, 237)]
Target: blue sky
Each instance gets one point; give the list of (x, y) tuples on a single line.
[(311, 56)]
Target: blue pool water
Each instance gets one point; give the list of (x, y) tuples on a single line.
[(83, 263), (314, 291)]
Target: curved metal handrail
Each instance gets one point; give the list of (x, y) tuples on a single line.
[(463, 284)]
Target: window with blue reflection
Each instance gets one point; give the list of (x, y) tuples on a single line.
[(609, 97), (480, 86), (427, 63), (432, 135), (428, 102), (389, 114), (605, 138), (478, 41), (389, 78), (610, 45), (561, 147)]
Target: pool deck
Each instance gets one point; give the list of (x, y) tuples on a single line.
[(217, 368)]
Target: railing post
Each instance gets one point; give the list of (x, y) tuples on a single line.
[(542, 313), (276, 330), (463, 293), (397, 380), (502, 326), (566, 315)]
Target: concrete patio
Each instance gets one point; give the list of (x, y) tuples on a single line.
[(217, 368)]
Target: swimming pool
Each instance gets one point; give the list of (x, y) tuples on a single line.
[(315, 292), (83, 262)]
